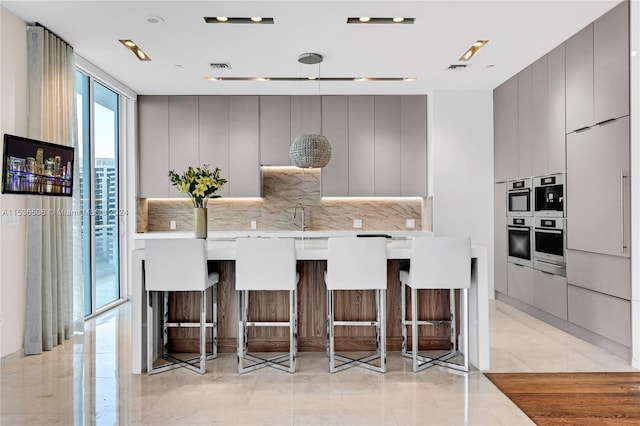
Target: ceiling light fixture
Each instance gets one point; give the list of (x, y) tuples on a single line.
[(135, 49), (470, 53), (311, 150), (237, 20), (155, 20), (380, 20), (217, 78)]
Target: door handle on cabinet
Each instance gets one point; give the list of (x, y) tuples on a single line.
[(623, 176), (605, 121), (582, 129)]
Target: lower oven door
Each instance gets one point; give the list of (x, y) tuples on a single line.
[(549, 251), (520, 245)]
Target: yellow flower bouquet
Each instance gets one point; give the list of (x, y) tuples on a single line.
[(200, 183)]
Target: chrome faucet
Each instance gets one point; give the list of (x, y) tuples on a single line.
[(295, 210)]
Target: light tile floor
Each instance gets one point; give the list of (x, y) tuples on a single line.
[(87, 381)]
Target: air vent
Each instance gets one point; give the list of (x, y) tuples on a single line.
[(457, 67), (221, 66)]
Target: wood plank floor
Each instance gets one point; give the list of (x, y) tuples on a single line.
[(574, 398)]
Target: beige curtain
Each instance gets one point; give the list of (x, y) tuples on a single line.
[(53, 302)]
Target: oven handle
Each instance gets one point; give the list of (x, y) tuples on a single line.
[(549, 231)]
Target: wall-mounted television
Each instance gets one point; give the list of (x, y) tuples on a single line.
[(36, 167)]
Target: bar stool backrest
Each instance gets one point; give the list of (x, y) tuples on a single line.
[(265, 264), (176, 265), (357, 263), (440, 262)]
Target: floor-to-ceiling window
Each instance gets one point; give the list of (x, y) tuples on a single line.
[(98, 140)]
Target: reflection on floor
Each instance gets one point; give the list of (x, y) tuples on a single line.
[(87, 381)]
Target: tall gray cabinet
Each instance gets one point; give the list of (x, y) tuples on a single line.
[(569, 112)]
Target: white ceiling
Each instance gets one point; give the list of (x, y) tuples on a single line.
[(519, 32)]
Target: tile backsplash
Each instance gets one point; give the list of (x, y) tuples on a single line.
[(283, 189)]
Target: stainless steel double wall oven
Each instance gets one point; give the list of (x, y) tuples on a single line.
[(536, 223)]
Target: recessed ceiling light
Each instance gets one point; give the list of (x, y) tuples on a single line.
[(473, 50), (380, 20), (135, 49), (155, 20), (238, 20)]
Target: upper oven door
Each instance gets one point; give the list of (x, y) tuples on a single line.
[(548, 193)]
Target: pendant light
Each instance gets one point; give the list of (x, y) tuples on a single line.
[(311, 150)]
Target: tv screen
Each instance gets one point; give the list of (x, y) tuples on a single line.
[(36, 167)]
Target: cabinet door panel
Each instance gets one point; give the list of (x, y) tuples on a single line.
[(550, 294), (600, 272), (520, 282), (387, 145), (505, 100), (335, 126), (244, 153), (183, 136), (305, 115), (214, 135), (525, 122), (611, 64), (413, 179), (556, 129), (500, 237), (153, 163), (539, 141), (597, 192), (361, 146), (605, 315), (275, 130), (579, 79)]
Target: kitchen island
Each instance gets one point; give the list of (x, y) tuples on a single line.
[(311, 248)]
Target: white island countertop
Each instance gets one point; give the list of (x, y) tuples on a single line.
[(312, 245)]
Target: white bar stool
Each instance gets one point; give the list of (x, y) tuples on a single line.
[(438, 263), (178, 265), (357, 264), (266, 264)]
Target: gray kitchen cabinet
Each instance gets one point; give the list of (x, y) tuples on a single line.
[(305, 115), (214, 135), (153, 136), (597, 70), (579, 79), (539, 118), (413, 148), (361, 146), (183, 136), (556, 106), (275, 130), (505, 104), (525, 122), (520, 282), (550, 293), (611, 64), (335, 127), (600, 313), (387, 152), (598, 189), (600, 272), (500, 237), (244, 150)]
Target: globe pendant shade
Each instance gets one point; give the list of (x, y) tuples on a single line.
[(310, 151)]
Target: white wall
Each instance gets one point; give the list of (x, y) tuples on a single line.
[(635, 181), (461, 166), (13, 120)]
